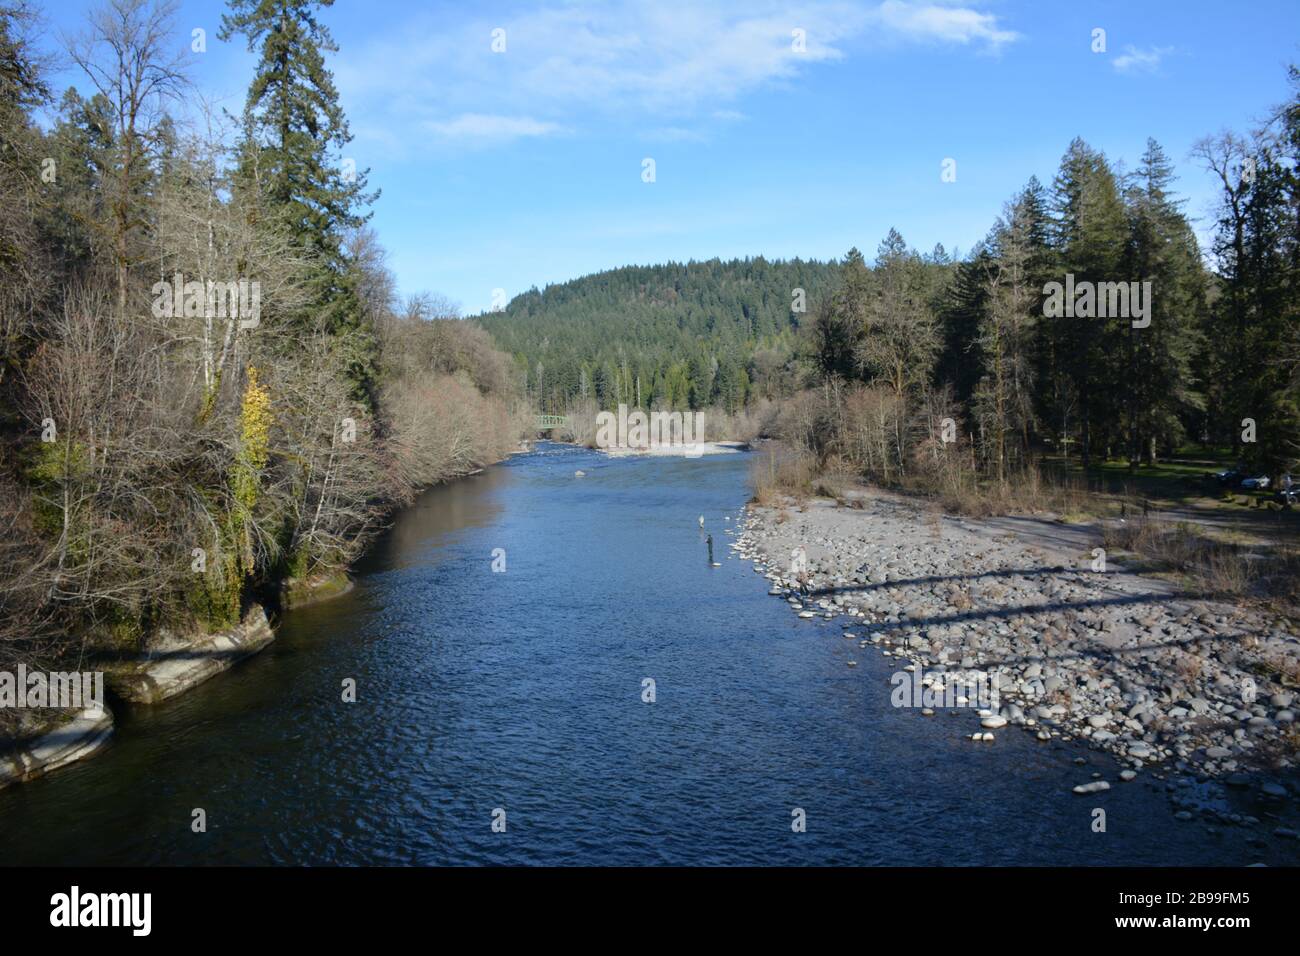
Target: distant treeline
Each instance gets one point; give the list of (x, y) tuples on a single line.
[(1159, 342), (915, 362), (206, 385), (697, 335)]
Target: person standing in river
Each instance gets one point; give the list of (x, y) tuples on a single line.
[(799, 569)]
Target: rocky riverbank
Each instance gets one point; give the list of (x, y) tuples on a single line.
[(693, 450), (1125, 663), (174, 663), (48, 739)]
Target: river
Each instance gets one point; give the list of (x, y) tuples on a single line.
[(520, 690)]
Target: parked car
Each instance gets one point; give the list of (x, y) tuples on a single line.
[(1229, 477), (1256, 483), (1287, 497)]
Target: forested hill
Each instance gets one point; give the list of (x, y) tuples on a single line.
[(697, 333)]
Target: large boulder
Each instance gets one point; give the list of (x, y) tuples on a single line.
[(181, 662), (62, 743)]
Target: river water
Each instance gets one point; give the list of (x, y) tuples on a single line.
[(520, 691)]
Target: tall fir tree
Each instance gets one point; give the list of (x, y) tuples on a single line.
[(1160, 392), (838, 324), (289, 165), (1003, 399), (1089, 232), (900, 342)]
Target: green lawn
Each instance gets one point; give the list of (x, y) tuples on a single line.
[(1180, 479)]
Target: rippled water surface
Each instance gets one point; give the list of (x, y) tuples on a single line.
[(522, 690)]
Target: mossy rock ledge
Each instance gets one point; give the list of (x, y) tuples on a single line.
[(178, 662), (64, 742), (300, 592)]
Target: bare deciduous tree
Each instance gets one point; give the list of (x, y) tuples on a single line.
[(125, 53)]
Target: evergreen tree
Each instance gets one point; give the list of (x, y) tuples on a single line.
[(838, 325), (1003, 399), (1251, 342), (24, 280), (1164, 252), (1090, 233), (900, 340), (960, 313), (293, 128)]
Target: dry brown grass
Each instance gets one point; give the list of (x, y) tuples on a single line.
[(1281, 667), (934, 521), (824, 489), (777, 472), (1028, 492), (1189, 667), (1212, 567)]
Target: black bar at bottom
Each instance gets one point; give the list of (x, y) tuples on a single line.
[(220, 905)]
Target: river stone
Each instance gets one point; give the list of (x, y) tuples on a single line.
[(1095, 786)]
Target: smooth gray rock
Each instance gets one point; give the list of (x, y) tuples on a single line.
[(184, 662), (1095, 786), (64, 743)]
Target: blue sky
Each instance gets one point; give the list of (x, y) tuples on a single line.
[(521, 168)]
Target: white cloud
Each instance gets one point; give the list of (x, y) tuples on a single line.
[(482, 128), (567, 65), (947, 24), (1133, 60)]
